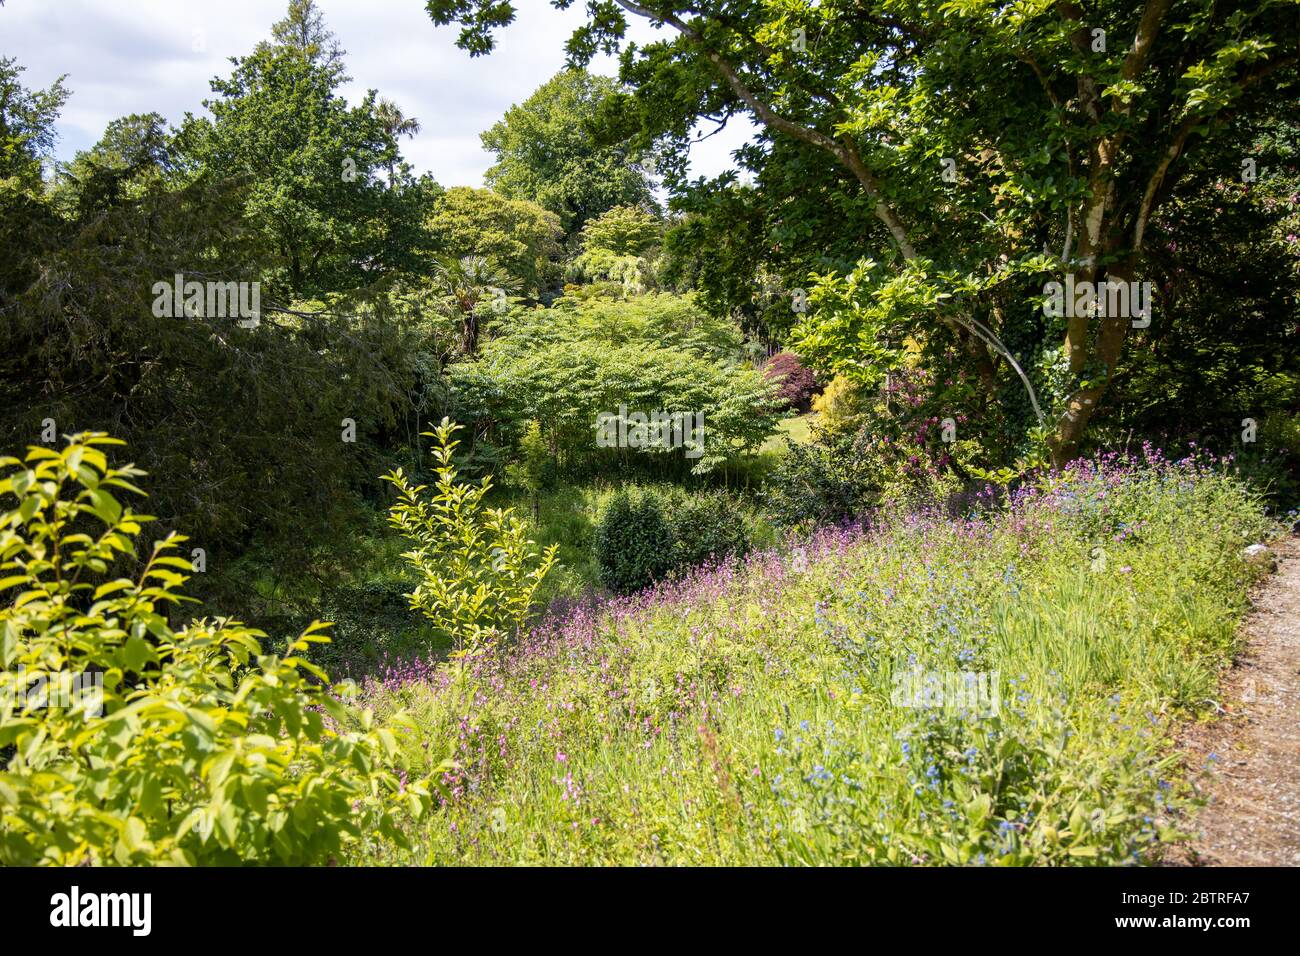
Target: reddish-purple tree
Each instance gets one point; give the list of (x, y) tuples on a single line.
[(797, 384)]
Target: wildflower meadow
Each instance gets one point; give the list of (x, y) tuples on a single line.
[(744, 713)]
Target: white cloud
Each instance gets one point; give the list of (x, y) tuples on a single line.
[(158, 56)]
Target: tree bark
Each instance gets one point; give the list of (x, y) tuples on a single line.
[(1082, 403)]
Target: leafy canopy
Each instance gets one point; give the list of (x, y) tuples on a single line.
[(315, 168), (548, 152), (518, 235)]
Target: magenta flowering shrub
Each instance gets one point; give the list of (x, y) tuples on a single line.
[(909, 421)]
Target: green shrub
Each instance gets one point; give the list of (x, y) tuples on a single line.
[(536, 470), (201, 747), (1272, 462), (633, 542), (478, 570), (707, 527), (821, 483), (643, 535), (566, 366), (372, 622), (841, 408)]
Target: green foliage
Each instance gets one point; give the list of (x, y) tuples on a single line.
[(653, 320), (707, 527), (1225, 256), (619, 245), (633, 542), (477, 569), (1271, 463), (647, 533), (202, 748), (546, 153), (28, 226), (630, 275), (519, 236), (26, 128), (535, 471), (716, 248), (623, 230), (311, 166), (263, 460), (975, 152), (565, 366), (472, 288), (858, 322), (822, 483), (132, 160), (240, 427)]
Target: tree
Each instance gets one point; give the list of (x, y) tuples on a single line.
[(395, 124), (620, 245), (27, 132), (519, 236), (240, 425), (996, 148), (310, 161), (1226, 259), (27, 137), (303, 30), (623, 230), (133, 157), (547, 153), (468, 285), (578, 364), (478, 571)]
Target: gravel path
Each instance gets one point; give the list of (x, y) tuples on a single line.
[(1253, 818)]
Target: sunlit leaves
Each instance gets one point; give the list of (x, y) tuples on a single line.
[(166, 758), (477, 569)]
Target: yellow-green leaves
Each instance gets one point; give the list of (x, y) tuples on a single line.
[(171, 760), (478, 569)]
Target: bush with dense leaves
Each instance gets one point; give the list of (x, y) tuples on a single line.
[(651, 532), (821, 483), (633, 542), (707, 527), (199, 746), (841, 408), (565, 366), (476, 567)]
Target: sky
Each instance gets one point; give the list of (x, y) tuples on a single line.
[(141, 56)]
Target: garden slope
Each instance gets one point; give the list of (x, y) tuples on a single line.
[(751, 714)]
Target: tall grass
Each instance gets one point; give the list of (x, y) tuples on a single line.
[(748, 714)]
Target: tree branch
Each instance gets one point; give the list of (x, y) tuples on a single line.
[(845, 152)]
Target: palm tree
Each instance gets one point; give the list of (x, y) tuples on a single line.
[(395, 125), (469, 283)]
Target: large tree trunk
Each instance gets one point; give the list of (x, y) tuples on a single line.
[(1105, 351)]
